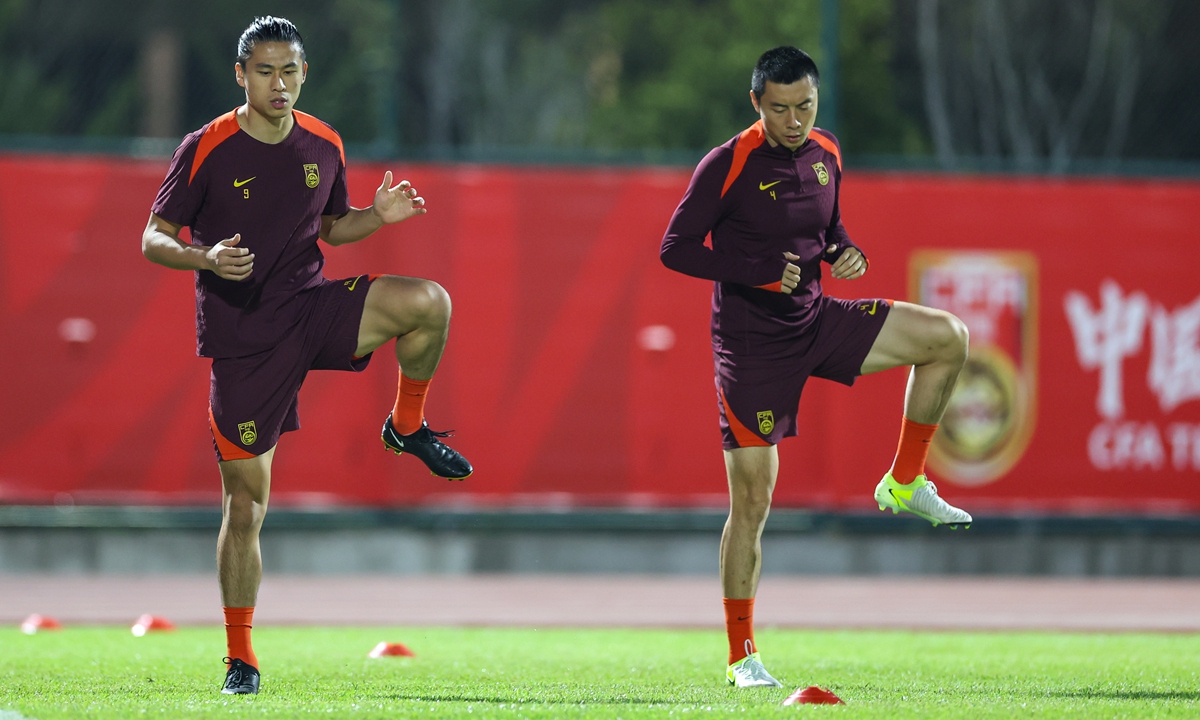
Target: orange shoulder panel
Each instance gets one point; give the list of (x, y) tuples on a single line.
[(750, 138), (320, 129), (827, 142), (218, 131)]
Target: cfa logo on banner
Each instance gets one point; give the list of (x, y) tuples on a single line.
[(1114, 330), (991, 415)]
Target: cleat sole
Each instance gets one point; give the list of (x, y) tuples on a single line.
[(387, 446), (931, 521)]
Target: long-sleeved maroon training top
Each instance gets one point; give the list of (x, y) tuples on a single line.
[(758, 202)]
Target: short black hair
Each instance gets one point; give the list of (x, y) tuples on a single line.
[(267, 29), (784, 65)]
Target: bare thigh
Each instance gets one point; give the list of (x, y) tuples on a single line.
[(913, 335), (397, 306)]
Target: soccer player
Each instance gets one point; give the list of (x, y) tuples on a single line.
[(258, 186), (770, 199)]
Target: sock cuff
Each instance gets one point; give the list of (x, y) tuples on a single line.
[(922, 426), (738, 607), (238, 616), (416, 383)]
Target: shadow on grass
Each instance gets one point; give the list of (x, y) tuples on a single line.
[(1130, 694)]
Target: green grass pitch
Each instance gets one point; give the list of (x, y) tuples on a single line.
[(557, 673)]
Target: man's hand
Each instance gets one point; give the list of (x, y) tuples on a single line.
[(791, 274), (393, 204), (229, 261), (850, 266)]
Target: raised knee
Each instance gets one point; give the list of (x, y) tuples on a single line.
[(433, 302), (958, 339)]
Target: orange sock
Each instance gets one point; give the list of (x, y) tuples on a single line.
[(238, 622), (912, 450), (739, 626), (410, 405)]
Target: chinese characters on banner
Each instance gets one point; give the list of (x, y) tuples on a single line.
[(1122, 325)]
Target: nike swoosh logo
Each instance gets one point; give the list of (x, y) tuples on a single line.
[(743, 619), (768, 185), (239, 183), (873, 307), (350, 284)]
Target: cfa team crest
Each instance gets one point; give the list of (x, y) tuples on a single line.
[(248, 432), (766, 422), (992, 413), (822, 173), (312, 177)]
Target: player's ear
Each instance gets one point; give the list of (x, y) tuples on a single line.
[(754, 101), (240, 73), (303, 72)]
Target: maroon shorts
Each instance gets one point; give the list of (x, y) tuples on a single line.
[(253, 399), (759, 398)]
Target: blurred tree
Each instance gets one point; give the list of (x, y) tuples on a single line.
[(1165, 122), (62, 73), (1039, 83), (611, 74), (676, 74), (1021, 79)]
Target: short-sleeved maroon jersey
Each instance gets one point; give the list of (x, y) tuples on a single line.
[(223, 182)]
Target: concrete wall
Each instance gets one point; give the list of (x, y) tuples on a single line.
[(416, 551)]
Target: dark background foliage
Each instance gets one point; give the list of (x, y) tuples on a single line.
[(1042, 83)]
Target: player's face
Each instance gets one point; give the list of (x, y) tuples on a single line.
[(272, 78), (788, 111)]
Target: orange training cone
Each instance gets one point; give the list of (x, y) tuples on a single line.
[(146, 623), (36, 623), (813, 695), (387, 649)]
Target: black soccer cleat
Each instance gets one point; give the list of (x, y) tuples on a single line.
[(424, 444), (241, 679)]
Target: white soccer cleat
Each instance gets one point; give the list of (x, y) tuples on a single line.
[(749, 672), (920, 497)]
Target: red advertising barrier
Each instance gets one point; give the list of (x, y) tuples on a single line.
[(578, 370)]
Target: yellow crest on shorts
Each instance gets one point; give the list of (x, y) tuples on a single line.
[(822, 173), (766, 422), (248, 432), (312, 175)]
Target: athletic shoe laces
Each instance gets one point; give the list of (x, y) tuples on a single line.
[(427, 435), (236, 676), (753, 667), (756, 671), (931, 502)]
